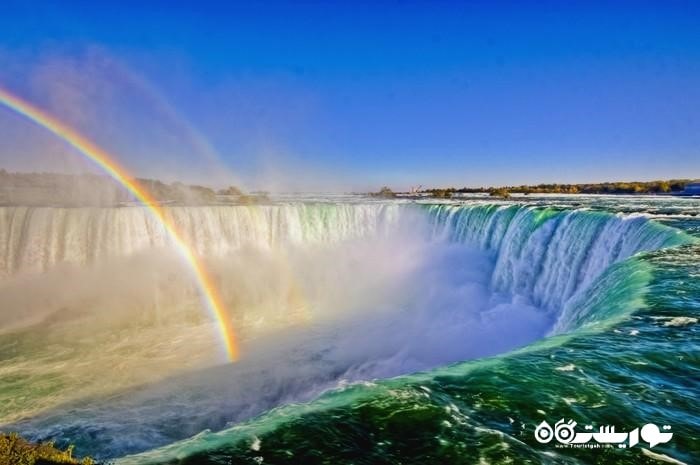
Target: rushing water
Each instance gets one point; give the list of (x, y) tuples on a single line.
[(373, 331)]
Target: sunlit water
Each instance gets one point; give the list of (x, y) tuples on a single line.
[(364, 326)]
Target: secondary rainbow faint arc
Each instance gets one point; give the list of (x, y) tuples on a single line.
[(111, 167)]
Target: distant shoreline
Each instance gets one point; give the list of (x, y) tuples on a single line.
[(80, 190), (679, 187), (84, 190)]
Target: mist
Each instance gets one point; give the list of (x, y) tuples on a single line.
[(141, 122), (136, 357)]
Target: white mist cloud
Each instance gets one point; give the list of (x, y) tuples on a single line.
[(251, 132), (310, 317), (113, 105)]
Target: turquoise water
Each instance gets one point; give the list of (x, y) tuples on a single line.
[(619, 280)]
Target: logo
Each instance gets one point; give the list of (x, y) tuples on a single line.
[(566, 435)]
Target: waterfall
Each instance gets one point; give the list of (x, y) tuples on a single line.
[(545, 254), (362, 292), (33, 239)]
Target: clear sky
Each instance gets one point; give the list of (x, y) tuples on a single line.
[(320, 95)]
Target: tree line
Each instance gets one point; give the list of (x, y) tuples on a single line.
[(634, 187)]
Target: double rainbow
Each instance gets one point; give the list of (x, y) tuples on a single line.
[(104, 160)]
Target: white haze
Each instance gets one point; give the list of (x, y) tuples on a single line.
[(129, 342), (116, 107), (143, 124)]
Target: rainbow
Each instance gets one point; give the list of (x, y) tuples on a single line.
[(108, 163)]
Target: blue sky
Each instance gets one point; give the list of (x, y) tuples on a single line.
[(320, 95)]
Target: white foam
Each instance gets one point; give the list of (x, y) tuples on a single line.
[(681, 321)]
